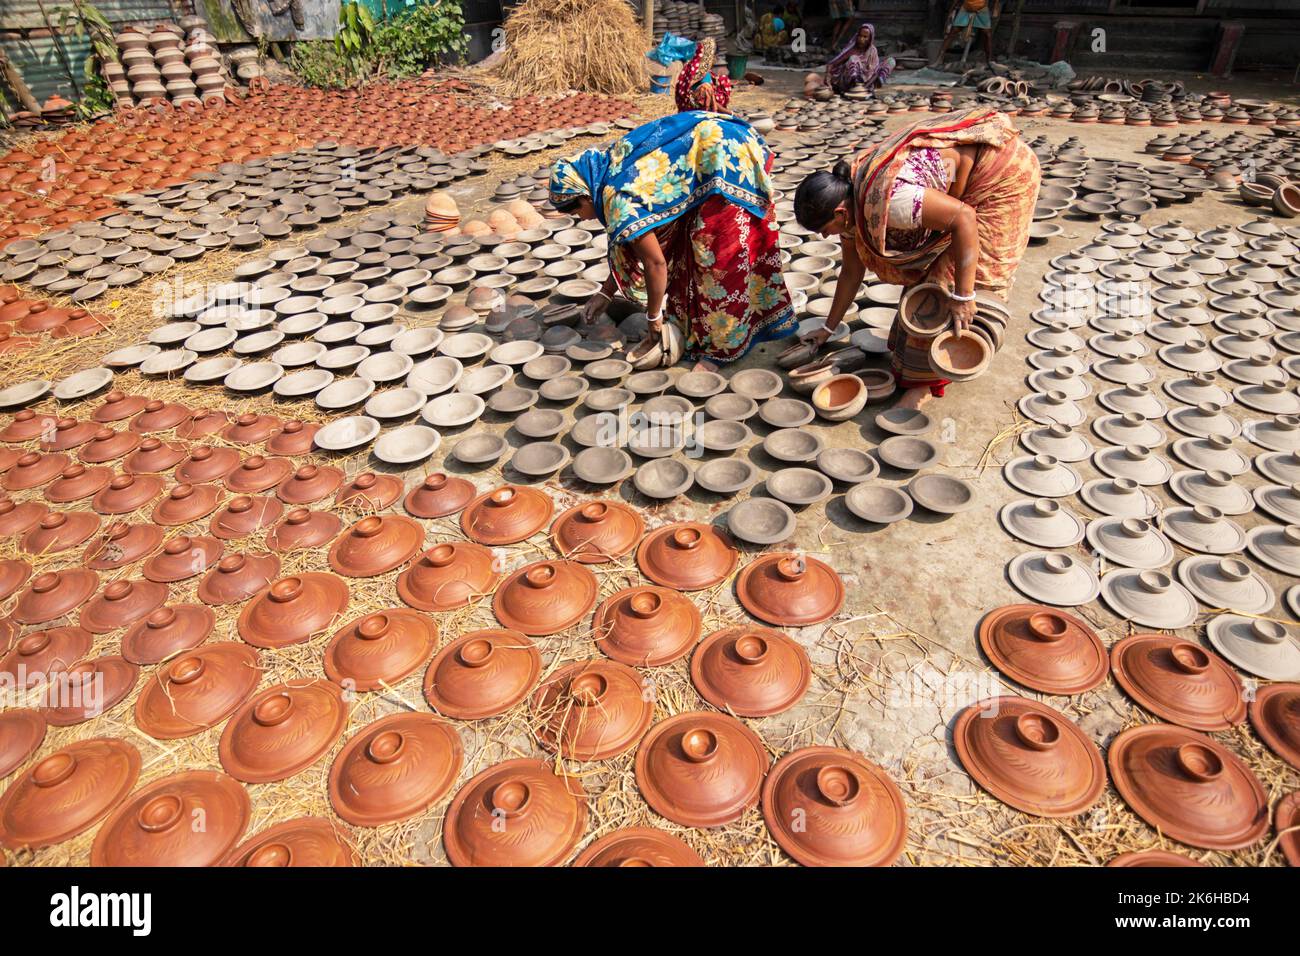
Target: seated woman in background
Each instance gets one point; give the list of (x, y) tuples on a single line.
[(771, 31), (699, 86), (859, 62)]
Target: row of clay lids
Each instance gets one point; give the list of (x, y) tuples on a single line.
[(23, 321)]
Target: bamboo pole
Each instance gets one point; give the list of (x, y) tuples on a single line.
[(14, 80)]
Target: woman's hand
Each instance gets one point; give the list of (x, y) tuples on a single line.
[(595, 307), (816, 338), (962, 313)]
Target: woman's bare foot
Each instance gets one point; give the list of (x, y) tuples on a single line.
[(704, 365), (914, 398)]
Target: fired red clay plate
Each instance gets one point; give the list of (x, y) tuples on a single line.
[(545, 597), (701, 769), (1286, 821), (596, 532), (638, 846), (395, 768), (369, 491), (1044, 649), (592, 710), (294, 609), (439, 495), (197, 690), (375, 545), (750, 671), (380, 648), (283, 730), (687, 556), (88, 689), (1153, 858), (1179, 681), (482, 674), (1029, 756), (305, 841), (506, 515), (450, 575), (790, 590), (646, 626), (1275, 715), (21, 732)]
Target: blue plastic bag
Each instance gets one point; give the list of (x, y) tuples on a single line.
[(673, 48)]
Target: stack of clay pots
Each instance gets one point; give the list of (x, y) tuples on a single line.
[(506, 221), (156, 68), (143, 79), (441, 213), (205, 62)]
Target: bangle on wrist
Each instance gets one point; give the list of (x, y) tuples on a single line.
[(961, 298)]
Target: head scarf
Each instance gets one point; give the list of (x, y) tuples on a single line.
[(871, 53), (698, 72), (664, 169)]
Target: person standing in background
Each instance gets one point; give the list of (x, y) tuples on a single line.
[(978, 14), (842, 16)]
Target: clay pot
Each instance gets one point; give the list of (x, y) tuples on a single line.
[(52, 594), (517, 813), (201, 424), (646, 626), (154, 456), (750, 671), (545, 597), (790, 590), (687, 556), (591, 710), (701, 769), (185, 503), (167, 631), (121, 544), (126, 493), (88, 689), (243, 515), (120, 604), (181, 558), (506, 515), (597, 532), (923, 311), (250, 428), (1275, 715), (158, 416), (283, 730), (25, 426), (831, 807), (257, 473), (118, 406), (449, 575), (1044, 649), (303, 528), (395, 768), (238, 577), (438, 496), (293, 610), (1179, 681), (58, 531), (375, 545), (294, 438), (369, 491), (306, 842), (638, 846), (22, 731), (481, 674), (68, 433), (77, 482), (206, 463), (1188, 786), (155, 827), (1029, 756), (18, 518), (309, 483), (33, 470), (197, 690), (108, 445), (67, 792), (14, 573), (41, 655), (380, 648)]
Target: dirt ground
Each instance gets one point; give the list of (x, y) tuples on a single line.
[(892, 671)]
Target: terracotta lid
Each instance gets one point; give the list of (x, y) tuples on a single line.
[(26, 425), (646, 626), (1188, 786), (159, 416), (375, 545), (439, 495), (68, 433), (1275, 715), (294, 438), (1029, 756), (206, 463), (506, 515), (197, 690), (154, 456), (380, 648), (121, 543), (701, 769), (303, 528), (156, 826), (257, 473), (448, 576), (517, 813), (250, 428), (293, 609), (238, 577), (1044, 649), (33, 470), (591, 710), (201, 425), (122, 603), (118, 406), (77, 482), (244, 514), (60, 530), (35, 657), (108, 445), (1286, 821), (687, 556), (88, 689), (67, 792), (831, 807), (545, 597), (790, 590), (185, 503), (52, 594), (369, 491), (126, 493), (638, 846), (17, 518), (183, 556), (481, 674), (21, 731), (166, 632), (395, 768), (1153, 858), (283, 730), (305, 841), (751, 671), (1179, 681), (14, 573), (309, 483), (597, 531)]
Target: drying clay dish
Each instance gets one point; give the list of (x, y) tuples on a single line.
[(1179, 681), (1044, 649)]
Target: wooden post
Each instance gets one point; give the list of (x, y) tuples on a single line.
[(650, 19), (14, 80), (1015, 28)]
